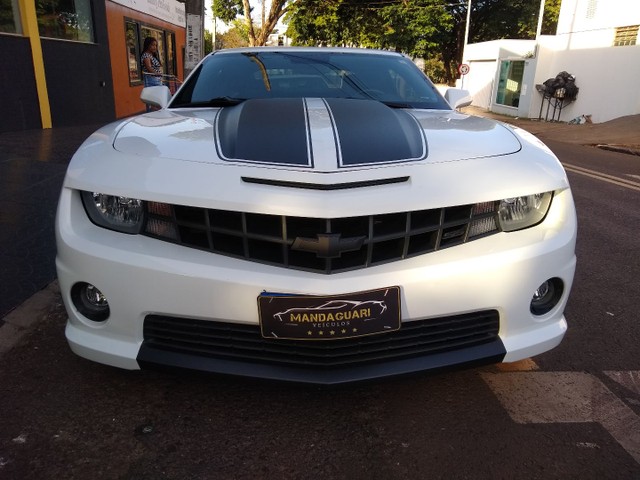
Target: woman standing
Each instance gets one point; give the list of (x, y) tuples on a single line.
[(151, 65)]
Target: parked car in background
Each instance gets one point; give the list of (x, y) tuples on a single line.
[(315, 215)]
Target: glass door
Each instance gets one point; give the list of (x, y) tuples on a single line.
[(510, 82)]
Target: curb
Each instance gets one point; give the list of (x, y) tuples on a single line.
[(619, 149), (18, 322)]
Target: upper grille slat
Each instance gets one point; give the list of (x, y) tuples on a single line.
[(269, 239)]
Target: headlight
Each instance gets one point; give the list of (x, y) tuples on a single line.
[(523, 212), (122, 214)]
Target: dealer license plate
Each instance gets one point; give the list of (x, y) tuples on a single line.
[(302, 317)]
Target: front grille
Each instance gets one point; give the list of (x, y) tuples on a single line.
[(325, 245), (241, 342)]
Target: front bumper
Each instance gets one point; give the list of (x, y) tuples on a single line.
[(141, 276)]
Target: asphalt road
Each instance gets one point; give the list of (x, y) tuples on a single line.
[(604, 306), (573, 412)]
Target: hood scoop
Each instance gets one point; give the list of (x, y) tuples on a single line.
[(326, 186)]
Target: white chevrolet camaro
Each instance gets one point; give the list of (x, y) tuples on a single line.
[(313, 215)]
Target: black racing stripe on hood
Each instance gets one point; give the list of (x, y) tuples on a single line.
[(266, 131), (369, 132)]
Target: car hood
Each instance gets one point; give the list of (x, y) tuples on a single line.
[(320, 134), (242, 160)]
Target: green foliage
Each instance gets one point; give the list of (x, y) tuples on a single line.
[(208, 42), (430, 29), (435, 70), (550, 17), (227, 10), (321, 22), (415, 27), (236, 36), (518, 19)]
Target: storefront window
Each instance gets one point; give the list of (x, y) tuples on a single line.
[(135, 33), (171, 54), (133, 51), (10, 17), (510, 82), (159, 36), (65, 19)]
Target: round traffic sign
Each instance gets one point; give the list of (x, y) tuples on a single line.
[(463, 69)]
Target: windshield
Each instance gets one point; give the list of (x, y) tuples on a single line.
[(228, 78)]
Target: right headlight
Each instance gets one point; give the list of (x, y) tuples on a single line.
[(523, 212), (122, 214)]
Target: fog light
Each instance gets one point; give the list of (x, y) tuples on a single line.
[(546, 296), (90, 301)]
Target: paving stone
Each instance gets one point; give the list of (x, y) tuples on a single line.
[(32, 167)]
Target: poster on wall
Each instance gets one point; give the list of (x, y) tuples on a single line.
[(193, 48)]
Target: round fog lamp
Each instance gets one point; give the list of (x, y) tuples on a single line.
[(90, 301), (95, 296), (546, 296)]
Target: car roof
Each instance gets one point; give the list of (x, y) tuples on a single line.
[(307, 49)]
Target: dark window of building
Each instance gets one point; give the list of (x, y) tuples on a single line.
[(626, 36), (65, 19), (171, 54), (132, 40), (10, 17)]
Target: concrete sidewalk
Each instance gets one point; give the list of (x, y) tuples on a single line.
[(32, 167)]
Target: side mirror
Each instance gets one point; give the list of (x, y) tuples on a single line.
[(156, 96), (458, 98)]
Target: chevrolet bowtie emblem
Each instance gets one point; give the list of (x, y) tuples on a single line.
[(328, 245)]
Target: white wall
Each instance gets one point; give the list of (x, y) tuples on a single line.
[(480, 82), (607, 77), (592, 23), (499, 48), (578, 16), (483, 58), (583, 46)]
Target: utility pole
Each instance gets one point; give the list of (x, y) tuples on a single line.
[(540, 18), (194, 10), (215, 31), (539, 28), (466, 30), (466, 38)]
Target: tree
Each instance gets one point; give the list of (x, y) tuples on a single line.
[(430, 29), (229, 10), (415, 27), (236, 36), (518, 19), (550, 17), (208, 42)]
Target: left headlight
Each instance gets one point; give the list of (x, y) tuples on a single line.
[(122, 214), (523, 212)]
